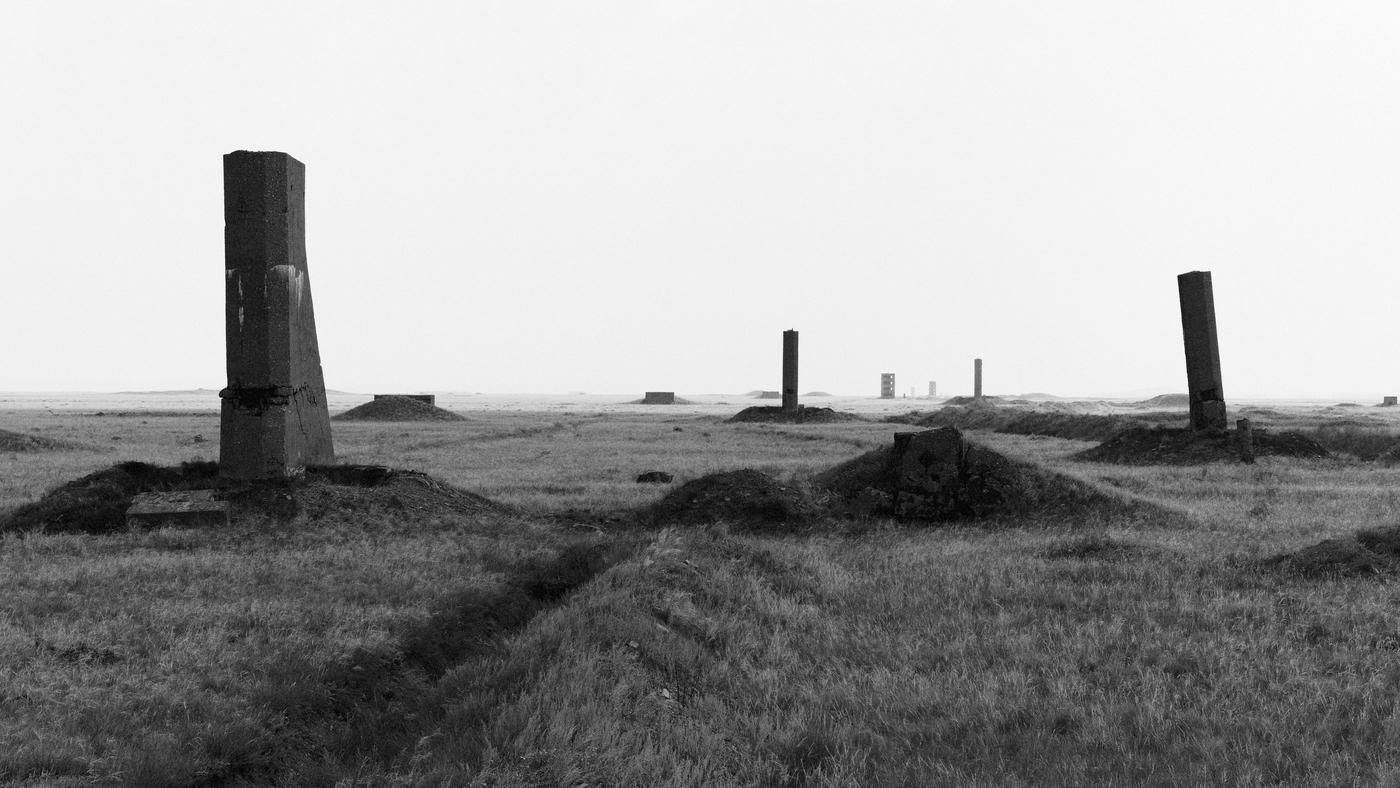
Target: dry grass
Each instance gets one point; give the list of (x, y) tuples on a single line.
[(1064, 653)]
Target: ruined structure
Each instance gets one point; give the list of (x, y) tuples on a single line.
[(1204, 387), (659, 398), (273, 421), (789, 371), (887, 385), (977, 378), (933, 388)]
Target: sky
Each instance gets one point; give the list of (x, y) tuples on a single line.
[(614, 197)]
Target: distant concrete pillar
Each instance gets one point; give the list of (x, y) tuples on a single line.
[(1244, 433), (933, 388), (977, 378), (1202, 351), (790, 371), (273, 419), (886, 385)]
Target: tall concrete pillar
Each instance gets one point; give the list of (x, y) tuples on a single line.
[(1202, 351), (886, 385), (977, 378), (790, 371), (273, 420), (933, 388)]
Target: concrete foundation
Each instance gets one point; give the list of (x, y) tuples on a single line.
[(1202, 352), (273, 419), (790, 371), (659, 398), (185, 509)]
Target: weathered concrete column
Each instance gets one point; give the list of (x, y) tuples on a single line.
[(886, 385), (977, 378), (790, 371), (1202, 351), (274, 420)]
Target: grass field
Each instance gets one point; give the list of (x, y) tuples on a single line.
[(538, 644)]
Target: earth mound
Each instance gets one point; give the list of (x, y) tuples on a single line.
[(97, 503), (937, 476), (1366, 552), (1178, 446), (747, 499), (773, 414), (974, 401), (1081, 426), (397, 409), (972, 416), (18, 442), (1168, 401)]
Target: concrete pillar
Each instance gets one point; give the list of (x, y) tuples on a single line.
[(886, 385), (977, 378), (1202, 351), (1244, 434), (933, 388), (273, 418), (790, 371)]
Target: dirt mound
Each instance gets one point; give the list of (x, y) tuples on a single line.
[(978, 483), (1365, 553), (983, 401), (97, 503), (1169, 446), (18, 442), (747, 499), (1168, 401), (973, 416), (397, 409), (1083, 426), (772, 414)]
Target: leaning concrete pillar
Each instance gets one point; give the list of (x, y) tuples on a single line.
[(1202, 351), (790, 371), (977, 378), (273, 420)]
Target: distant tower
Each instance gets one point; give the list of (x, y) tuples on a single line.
[(887, 385), (933, 388), (789, 371), (977, 378)]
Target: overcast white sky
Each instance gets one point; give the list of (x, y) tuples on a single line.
[(615, 197)]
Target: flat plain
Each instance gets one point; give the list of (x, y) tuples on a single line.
[(550, 640)]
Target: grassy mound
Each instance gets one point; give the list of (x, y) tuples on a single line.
[(19, 442), (989, 484), (1083, 427), (1366, 552), (1168, 401), (397, 409), (1174, 446), (769, 414), (97, 503), (747, 499)]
